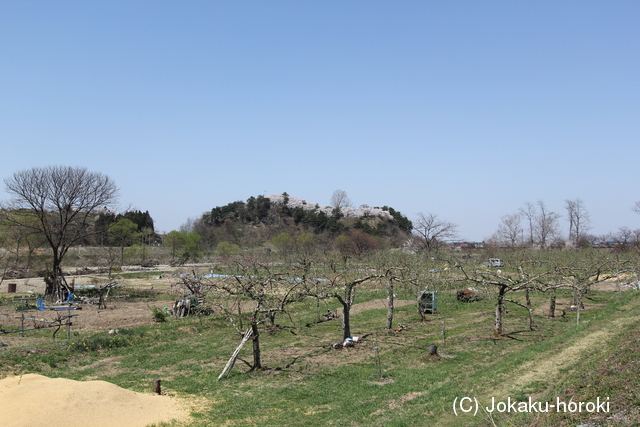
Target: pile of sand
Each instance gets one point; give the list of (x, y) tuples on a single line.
[(33, 400)]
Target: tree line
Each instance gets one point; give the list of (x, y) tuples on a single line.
[(61, 207)]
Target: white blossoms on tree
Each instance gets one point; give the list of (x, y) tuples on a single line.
[(296, 202)]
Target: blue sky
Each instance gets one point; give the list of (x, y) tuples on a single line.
[(466, 109)]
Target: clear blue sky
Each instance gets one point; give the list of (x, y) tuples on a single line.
[(466, 109)]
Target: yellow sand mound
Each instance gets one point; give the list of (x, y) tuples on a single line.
[(35, 400)]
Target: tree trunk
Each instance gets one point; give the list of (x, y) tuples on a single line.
[(552, 304), (257, 363), (390, 300), (347, 302), (346, 325), (56, 286), (497, 322), (579, 306), (532, 323)]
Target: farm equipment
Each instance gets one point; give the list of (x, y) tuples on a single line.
[(427, 303)]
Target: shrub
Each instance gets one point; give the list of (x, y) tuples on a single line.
[(159, 315)]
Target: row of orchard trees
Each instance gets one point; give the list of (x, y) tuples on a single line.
[(260, 287), (545, 272)]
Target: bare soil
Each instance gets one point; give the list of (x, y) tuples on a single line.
[(81, 403)]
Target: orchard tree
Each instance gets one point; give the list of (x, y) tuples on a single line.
[(527, 277), (588, 268), (64, 201), (338, 281), (252, 296), (406, 269)]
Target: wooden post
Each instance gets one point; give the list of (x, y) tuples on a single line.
[(227, 369), (157, 388), (433, 350)]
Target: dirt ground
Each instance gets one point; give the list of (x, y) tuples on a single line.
[(81, 403), (119, 312)]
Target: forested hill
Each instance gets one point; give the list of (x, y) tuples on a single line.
[(259, 219)]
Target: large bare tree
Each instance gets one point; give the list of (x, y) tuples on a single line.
[(543, 223), (579, 221), (547, 224), (432, 232), (340, 200), (59, 203), (510, 230)]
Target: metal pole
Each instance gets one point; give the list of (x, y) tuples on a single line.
[(22, 318), (69, 323), (377, 357)]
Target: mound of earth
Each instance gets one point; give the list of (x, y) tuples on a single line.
[(35, 400)]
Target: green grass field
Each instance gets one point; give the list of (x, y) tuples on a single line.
[(388, 379)]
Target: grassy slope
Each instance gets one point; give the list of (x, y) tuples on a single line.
[(308, 383)]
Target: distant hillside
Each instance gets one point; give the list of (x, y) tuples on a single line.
[(259, 219)]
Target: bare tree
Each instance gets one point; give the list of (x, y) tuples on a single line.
[(636, 207), (339, 281), (590, 268), (547, 224), (432, 232), (61, 203), (543, 223), (251, 297), (529, 212), (340, 200), (579, 221), (529, 278), (624, 238), (510, 230)]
